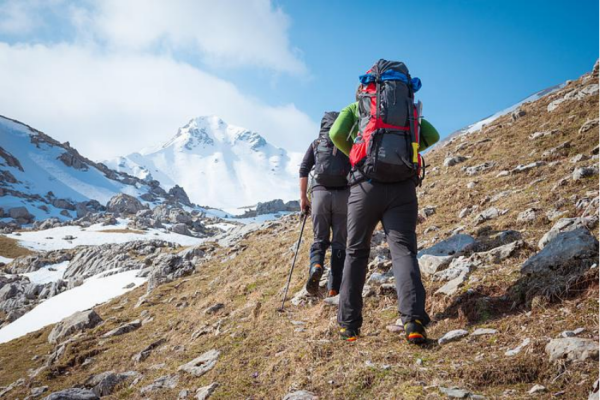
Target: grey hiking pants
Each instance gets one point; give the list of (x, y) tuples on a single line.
[(395, 205), (329, 213)]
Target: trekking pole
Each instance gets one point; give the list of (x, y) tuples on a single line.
[(287, 286)]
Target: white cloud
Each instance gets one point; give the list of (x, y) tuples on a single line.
[(229, 33), (16, 17), (109, 104)]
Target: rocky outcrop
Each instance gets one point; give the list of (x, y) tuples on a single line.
[(179, 195), (201, 365), (77, 322), (567, 247), (572, 349), (567, 225), (166, 268), (124, 204)]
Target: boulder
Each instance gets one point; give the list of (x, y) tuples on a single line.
[(181, 229), (566, 225), (477, 169), (201, 365), (124, 204), (562, 250), (572, 349), (104, 384), (429, 264), (584, 172), (20, 213), (452, 336), (166, 268), (451, 161), (588, 125), (205, 392), (180, 195), (488, 214), (73, 394), (164, 382), (454, 245), (123, 329), (75, 323), (300, 395)]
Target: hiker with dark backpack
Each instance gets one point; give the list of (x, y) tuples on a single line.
[(383, 133), (329, 194)]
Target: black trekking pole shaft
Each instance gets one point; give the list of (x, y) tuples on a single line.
[(287, 286)]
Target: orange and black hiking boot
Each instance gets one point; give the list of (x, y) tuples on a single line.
[(332, 293), (349, 335), (415, 332), (314, 277)]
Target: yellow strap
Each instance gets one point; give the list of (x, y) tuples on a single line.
[(415, 147)]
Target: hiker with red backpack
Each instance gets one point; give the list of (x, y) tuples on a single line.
[(382, 133), (329, 195)]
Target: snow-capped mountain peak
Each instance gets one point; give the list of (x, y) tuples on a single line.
[(221, 165)]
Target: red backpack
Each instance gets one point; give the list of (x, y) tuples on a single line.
[(386, 148)]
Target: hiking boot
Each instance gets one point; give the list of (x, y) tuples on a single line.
[(332, 293), (314, 277), (349, 335), (415, 332)]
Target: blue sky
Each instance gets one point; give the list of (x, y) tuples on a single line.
[(114, 76)]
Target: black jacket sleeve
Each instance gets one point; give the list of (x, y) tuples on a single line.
[(307, 162)]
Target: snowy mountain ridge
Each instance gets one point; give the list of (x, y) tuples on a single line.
[(51, 179), (219, 164)]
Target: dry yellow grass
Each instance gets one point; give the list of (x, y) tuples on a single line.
[(126, 230), (10, 248)]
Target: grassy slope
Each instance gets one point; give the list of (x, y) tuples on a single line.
[(263, 356)]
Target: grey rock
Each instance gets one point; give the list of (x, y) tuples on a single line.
[(123, 329), (537, 389), (451, 161), (164, 382), (528, 215), (517, 114), (181, 229), (73, 394), (180, 195), (205, 392), (566, 247), (453, 336), (594, 395), (477, 169), (488, 214), (20, 213), (8, 292), (566, 225), (452, 246), (517, 350), (145, 353), (429, 264), (124, 204), (300, 395), (38, 391), (497, 254), (104, 384), (572, 349), (484, 331), (214, 308), (455, 393), (580, 173), (75, 323), (166, 268), (201, 365), (524, 168), (332, 301), (588, 125)]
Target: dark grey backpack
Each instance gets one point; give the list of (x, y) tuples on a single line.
[(331, 165)]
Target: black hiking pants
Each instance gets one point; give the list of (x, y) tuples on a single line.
[(395, 205), (329, 213)]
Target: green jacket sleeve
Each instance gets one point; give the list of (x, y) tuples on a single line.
[(429, 135), (344, 129)]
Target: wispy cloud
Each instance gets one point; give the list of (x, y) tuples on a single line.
[(113, 86)]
